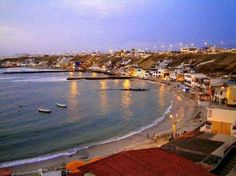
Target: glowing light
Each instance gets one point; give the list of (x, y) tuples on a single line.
[(71, 74), (116, 81), (103, 95), (126, 99), (94, 74), (126, 84), (179, 98), (74, 88)]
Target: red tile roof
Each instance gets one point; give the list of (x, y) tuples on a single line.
[(145, 162), (5, 172)]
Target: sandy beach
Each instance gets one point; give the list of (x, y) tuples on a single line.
[(184, 105)]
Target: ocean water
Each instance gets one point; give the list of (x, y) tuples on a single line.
[(98, 112)]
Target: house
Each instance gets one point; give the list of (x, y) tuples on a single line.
[(224, 91), (163, 73), (144, 162), (219, 94), (189, 50), (231, 95), (120, 53), (137, 72), (177, 75), (173, 75), (195, 80), (222, 119), (188, 79), (153, 73), (233, 50)]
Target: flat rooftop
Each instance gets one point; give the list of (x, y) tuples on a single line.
[(222, 107)]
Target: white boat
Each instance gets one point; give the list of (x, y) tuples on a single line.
[(44, 110), (61, 105)]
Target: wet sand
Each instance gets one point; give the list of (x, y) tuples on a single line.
[(184, 105)]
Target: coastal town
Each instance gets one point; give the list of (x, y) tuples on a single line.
[(117, 88), (203, 144)]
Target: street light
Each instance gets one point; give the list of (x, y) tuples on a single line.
[(173, 125)]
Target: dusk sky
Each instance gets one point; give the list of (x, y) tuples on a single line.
[(51, 26)]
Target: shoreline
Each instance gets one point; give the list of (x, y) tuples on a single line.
[(135, 141)]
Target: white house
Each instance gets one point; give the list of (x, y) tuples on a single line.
[(221, 119), (187, 50), (194, 79)]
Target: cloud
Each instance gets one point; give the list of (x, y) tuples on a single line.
[(102, 7)]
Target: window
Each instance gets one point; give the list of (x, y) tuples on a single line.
[(209, 113)]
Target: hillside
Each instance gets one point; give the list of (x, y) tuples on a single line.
[(225, 62), (204, 63)]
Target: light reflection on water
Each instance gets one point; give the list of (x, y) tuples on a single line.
[(94, 74), (73, 89), (126, 99), (103, 96), (116, 82), (73, 100), (161, 96)]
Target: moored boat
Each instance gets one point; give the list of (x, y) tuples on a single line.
[(44, 110), (61, 105)]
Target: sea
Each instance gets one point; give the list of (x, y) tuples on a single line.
[(98, 112)]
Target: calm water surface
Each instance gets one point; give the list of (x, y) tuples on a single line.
[(97, 110)]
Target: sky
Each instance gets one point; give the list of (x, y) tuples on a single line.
[(53, 26)]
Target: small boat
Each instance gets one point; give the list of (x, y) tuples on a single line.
[(44, 110), (61, 105)]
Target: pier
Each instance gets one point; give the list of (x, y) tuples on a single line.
[(39, 71), (99, 78)]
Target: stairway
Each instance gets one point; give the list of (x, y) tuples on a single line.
[(227, 164), (227, 168)]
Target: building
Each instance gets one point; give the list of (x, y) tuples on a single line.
[(231, 95), (233, 50), (189, 50), (163, 73), (194, 80), (153, 72), (177, 75), (144, 162), (219, 95), (222, 119), (137, 72)]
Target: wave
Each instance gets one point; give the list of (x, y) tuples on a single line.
[(75, 150)]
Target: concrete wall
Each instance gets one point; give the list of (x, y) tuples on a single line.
[(221, 127), (222, 119), (226, 115)]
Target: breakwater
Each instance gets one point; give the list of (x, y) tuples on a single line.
[(99, 78)]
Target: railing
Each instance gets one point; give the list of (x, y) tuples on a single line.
[(224, 161)]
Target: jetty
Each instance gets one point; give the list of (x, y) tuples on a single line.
[(99, 78), (39, 71)]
